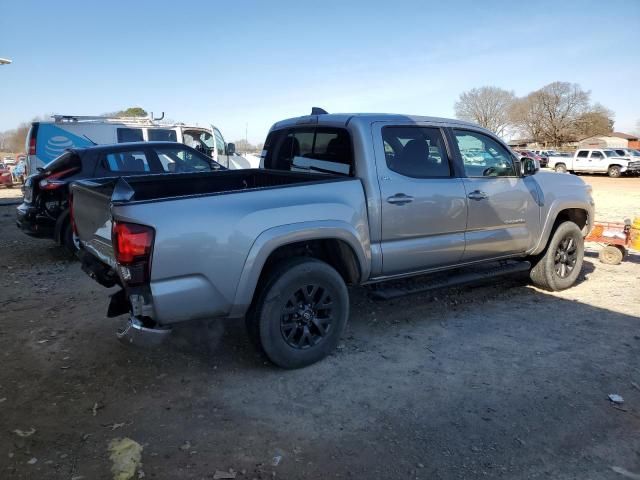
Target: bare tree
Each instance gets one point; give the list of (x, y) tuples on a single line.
[(14, 140), (597, 121), (560, 112), (489, 107)]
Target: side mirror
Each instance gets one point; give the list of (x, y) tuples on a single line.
[(231, 148), (528, 166)]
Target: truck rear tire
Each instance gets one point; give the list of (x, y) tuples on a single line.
[(559, 266), (301, 313), (68, 242)]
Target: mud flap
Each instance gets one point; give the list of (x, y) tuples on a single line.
[(119, 304)]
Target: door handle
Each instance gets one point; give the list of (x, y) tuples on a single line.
[(477, 195), (399, 199)]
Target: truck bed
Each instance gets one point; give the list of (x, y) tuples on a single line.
[(169, 186), (96, 201)]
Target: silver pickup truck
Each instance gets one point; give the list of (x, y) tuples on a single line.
[(340, 199)]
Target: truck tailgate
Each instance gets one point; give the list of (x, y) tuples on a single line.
[(92, 217)]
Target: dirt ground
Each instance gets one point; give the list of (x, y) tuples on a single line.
[(497, 381)]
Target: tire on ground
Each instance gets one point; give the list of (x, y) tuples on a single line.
[(67, 239), (611, 255), (560, 168), (273, 305), (544, 272)]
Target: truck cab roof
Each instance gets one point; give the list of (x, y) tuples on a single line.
[(344, 119)]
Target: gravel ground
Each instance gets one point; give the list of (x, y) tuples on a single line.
[(494, 381)]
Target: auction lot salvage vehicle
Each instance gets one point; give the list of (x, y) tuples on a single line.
[(340, 199), (46, 210)]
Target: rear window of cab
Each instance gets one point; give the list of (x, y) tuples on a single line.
[(66, 161), (325, 150)]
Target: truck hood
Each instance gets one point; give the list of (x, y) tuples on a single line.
[(556, 182), (559, 191)]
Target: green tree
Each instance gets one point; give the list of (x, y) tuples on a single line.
[(132, 112)]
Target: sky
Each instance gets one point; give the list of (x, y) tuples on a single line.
[(243, 65)]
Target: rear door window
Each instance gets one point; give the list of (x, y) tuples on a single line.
[(417, 152), (180, 160), (129, 161), (127, 135), (162, 135), (316, 150)]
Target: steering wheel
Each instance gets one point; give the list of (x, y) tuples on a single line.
[(490, 172)]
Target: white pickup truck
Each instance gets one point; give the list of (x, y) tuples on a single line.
[(595, 161)]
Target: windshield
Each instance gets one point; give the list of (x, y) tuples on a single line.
[(201, 140)]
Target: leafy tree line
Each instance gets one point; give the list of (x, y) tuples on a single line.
[(553, 115)]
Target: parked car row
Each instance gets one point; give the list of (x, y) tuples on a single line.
[(46, 209), (613, 162), (46, 140)]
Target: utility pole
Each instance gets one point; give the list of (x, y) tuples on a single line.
[(246, 132)]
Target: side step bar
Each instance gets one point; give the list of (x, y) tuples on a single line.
[(399, 288)]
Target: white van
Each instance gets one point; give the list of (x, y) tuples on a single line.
[(47, 140)]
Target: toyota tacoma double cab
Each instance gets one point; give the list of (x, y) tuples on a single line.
[(339, 199)]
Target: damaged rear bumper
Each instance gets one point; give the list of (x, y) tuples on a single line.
[(135, 333)]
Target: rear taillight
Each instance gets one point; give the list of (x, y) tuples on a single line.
[(32, 136), (54, 181), (132, 244), (32, 145)]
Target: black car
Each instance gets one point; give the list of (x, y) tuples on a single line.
[(45, 211)]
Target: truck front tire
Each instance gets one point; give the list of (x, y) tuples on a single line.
[(301, 312), (559, 266)]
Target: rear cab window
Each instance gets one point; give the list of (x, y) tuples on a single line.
[(310, 149), (127, 161)]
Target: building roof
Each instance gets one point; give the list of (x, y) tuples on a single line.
[(626, 136)]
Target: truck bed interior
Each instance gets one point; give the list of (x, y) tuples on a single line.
[(164, 186)]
